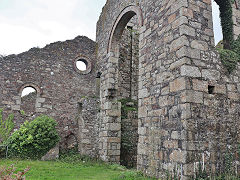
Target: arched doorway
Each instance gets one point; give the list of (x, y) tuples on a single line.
[(123, 47)]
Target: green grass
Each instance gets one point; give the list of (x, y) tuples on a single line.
[(68, 170)]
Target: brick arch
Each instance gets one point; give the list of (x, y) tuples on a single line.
[(36, 87), (121, 22)]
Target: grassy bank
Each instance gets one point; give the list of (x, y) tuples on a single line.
[(70, 170)]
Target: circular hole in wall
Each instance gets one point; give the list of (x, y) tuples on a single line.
[(82, 64), (28, 90)]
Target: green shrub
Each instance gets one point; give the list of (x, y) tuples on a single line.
[(6, 127), (34, 139)]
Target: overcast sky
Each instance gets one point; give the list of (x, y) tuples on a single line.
[(31, 23), (34, 23)]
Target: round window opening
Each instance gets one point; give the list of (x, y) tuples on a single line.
[(82, 64), (28, 91)]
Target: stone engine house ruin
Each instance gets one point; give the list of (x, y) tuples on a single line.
[(155, 94)]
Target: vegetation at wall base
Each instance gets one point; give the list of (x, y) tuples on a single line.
[(34, 139)]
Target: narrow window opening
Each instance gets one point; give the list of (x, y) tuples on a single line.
[(217, 28), (80, 107), (81, 65), (129, 27), (99, 75), (211, 89), (98, 83)]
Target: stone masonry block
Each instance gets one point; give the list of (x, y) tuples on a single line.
[(210, 74), (177, 5), (171, 144), (190, 96), (178, 84), (178, 156), (220, 88), (142, 130), (41, 110), (113, 113), (143, 93), (114, 126), (186, 111), (142, 111), (181, 20), (178, 43), (190, 71), (15, 107), (180, 62), (200, 85), (201, 45), (186, 30), (40, 100), (188, 52)]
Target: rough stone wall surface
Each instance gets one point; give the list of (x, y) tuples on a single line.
[(181, 121), (60, 88), (125, 65), (128, 64), (129, 138)]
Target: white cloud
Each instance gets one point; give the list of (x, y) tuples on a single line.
[(25, 24)]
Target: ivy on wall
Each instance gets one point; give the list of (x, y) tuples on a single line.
[(229, 50), (225, 7), (230, 58)]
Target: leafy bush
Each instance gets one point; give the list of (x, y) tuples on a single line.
[(34, 139), (6, 127)]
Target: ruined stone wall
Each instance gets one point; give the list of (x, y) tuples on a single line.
[(60, 86), (181, 121)]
